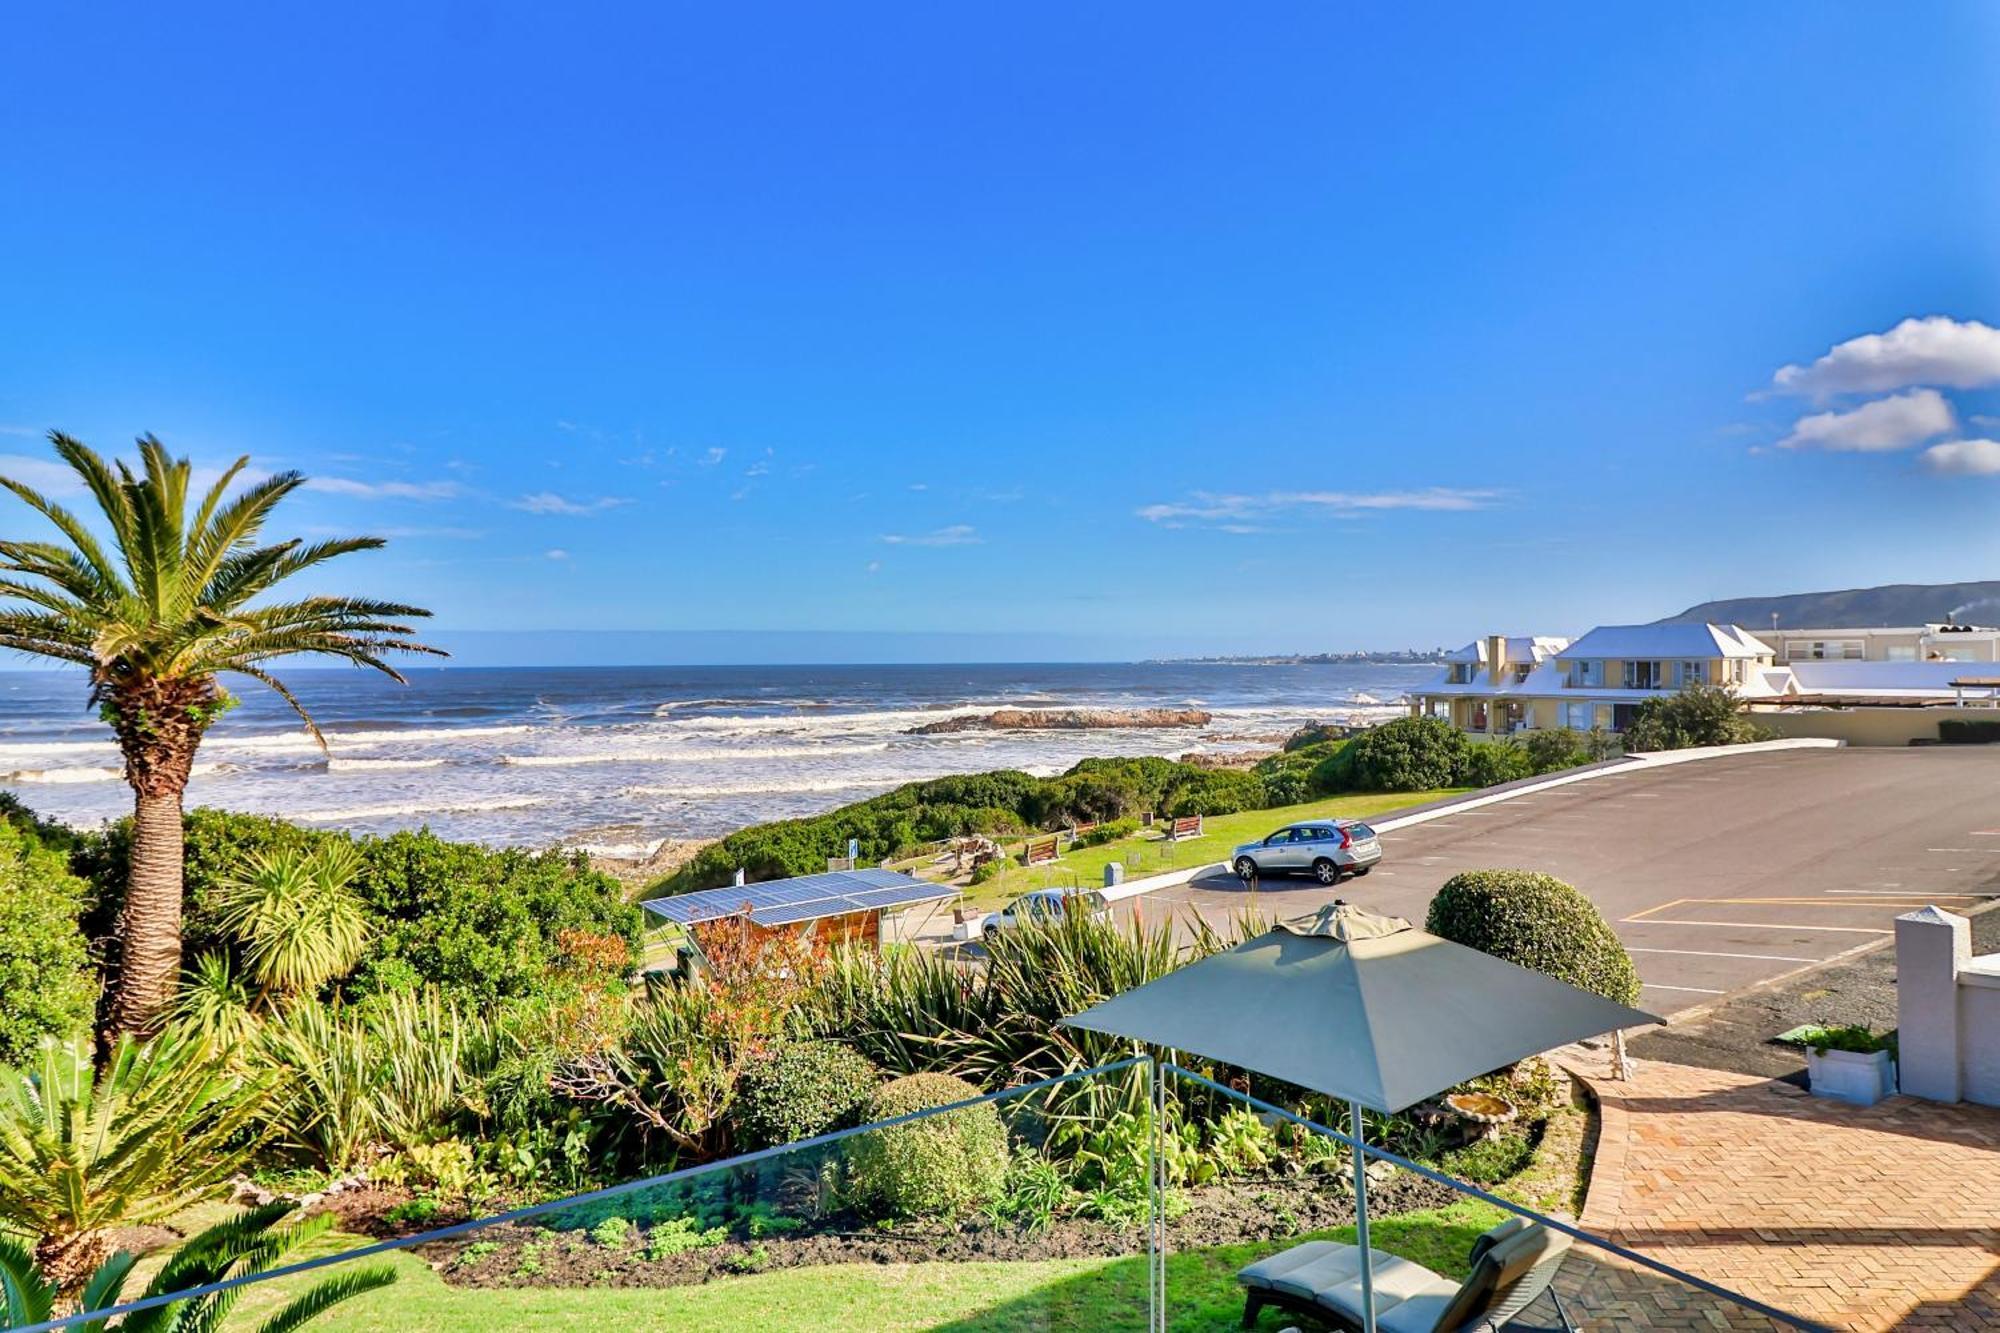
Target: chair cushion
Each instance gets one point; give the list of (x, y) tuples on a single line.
[(1266, 1272), (1419, 1314), (1513, 1226), (1396, 1282)]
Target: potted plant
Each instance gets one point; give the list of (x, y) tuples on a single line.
[(1850, 1064)]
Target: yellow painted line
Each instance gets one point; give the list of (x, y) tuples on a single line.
[(1757, 925)]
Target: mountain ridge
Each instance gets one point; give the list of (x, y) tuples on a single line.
[(1854, 608)]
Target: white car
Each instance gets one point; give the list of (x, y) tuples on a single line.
[(1046, 907)]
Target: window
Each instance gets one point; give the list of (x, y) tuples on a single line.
[(1579, 717), (1902, 652), (1458, 674), (1522, 670), (1587, 672), (1693, 673), (1825, 650), (1643, 675)]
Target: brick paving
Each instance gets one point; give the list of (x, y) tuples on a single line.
[(1876, 1218)]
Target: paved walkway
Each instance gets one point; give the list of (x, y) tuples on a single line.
[(1877, 1218)]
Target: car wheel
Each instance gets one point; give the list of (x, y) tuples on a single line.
[(1359, 871), (1326, 872), (1246, 869), (991, 932)]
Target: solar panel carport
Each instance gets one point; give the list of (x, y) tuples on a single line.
[(791, 902)]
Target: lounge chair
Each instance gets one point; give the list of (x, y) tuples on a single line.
[(1512, 1266)]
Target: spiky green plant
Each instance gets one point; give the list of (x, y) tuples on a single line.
[(160, 1126), (244, 1246), (394, 1074), (216, 1004), (296, 916), (154, 617)]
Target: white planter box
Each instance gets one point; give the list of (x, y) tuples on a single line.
[(1849, 1076)]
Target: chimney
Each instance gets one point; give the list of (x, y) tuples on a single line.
[(740, 877), (1496, 657)]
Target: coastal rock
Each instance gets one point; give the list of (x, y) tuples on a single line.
[(1063, 719)]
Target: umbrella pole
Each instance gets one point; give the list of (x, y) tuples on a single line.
[(1361, 1222), (1156, 1224)]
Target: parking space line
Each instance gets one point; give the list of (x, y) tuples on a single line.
[(1757, 925), (1703, 953), (1698, 990), (1872, 893)]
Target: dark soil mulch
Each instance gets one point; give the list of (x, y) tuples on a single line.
[(1241, 1210)]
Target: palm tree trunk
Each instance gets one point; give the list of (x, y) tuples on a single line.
[(150, 960), (160, 722)]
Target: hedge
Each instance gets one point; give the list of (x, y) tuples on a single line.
[(941, 1166), (1537, 921), (1969, 731), (46, 985), (1410, 754), (802, 1089)]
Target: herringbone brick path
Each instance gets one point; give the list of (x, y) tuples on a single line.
[(1876, 1218)]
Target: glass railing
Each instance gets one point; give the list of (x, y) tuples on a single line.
[(1126, 1197)]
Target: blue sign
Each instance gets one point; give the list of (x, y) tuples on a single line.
[(853, 848)]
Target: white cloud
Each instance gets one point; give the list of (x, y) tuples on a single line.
[(761, 467), (548, 502), (1239, 513), (47, 475), (1939, 350), (384, 490), (556, 553), (958, 534), (712, 457), (1964, 458), (874, 566), (1896, 422)]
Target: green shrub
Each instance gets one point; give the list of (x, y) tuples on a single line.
[(1969, 731), (1241, 1143), (1489, 1161), (942, 1166), (1218, 791), (802, 1089), (681, 1235), (1536, 921), (1855, 1037), (1033, 1195), (1695, 715), (1316, 734), (1490, 763), (46, 986), (1409, 754), (1556, 748), (484, 924)]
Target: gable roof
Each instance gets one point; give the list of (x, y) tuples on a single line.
[(1666, 641), (1520, 648)]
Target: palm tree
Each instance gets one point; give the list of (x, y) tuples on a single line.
[(154, 619), (160, 1126), (235, 1250)]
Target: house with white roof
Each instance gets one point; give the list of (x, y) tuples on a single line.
[(1816, 684), (1501, 685)]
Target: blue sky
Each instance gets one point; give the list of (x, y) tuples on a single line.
[(1082, 328)]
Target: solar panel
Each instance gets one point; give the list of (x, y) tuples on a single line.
[(784, 902)]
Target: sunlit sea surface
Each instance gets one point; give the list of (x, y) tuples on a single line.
[(615, 759)]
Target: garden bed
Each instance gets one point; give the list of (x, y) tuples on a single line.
[(1240, 1210)]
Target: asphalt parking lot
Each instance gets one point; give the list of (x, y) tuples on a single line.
[(1717, 874)]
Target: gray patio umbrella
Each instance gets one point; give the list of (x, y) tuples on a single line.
[(1361, 1007)]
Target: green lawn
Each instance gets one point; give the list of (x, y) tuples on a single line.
[(1149, 853), (1084, 1295)]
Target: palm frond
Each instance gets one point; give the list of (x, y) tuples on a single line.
[(323, 1296)]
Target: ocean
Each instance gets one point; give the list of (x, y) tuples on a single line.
[(617, 759)]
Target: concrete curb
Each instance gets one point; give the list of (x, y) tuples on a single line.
[(1452, 805)]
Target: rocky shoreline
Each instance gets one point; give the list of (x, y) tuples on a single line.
[(1064, 719)]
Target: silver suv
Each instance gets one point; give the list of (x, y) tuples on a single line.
[(1047, 907), (1324, 848)]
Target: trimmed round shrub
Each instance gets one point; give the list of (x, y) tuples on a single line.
[(1409, 754), (1539, 922), (802, 1089), (942, 1166)]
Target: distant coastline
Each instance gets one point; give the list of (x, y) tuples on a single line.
[(1396, 657)]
